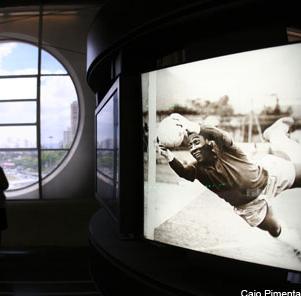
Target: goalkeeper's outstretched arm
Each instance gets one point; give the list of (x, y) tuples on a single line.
[(187, 172), (220, 137)]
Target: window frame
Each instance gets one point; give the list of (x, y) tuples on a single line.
[(42, 179)]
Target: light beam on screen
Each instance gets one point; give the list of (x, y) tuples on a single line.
[(251, 75)]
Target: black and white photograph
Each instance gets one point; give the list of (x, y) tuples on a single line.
[(222, 156)]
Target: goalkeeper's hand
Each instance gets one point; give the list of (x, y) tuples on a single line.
[(166, 153)]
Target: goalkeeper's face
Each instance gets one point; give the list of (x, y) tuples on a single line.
[(200, 149), (196, 144)]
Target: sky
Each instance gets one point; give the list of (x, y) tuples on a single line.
[(251, 79), (57, 94), (22, 58)]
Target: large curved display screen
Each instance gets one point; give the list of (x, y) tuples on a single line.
[(222, 156)]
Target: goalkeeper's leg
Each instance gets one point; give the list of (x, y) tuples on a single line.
[(282, 145)]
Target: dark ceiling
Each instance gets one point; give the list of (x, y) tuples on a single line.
[(18, 3)]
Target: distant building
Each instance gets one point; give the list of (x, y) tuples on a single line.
[(67, 138), (74, 117), (71, 131), (107, 144)]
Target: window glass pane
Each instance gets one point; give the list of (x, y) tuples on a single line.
[(105, 162), (21, 168), (59, 112), (105, 126), (18, 112), (18, 137), (18, 88), (116, 102), (18, 58), (51, 159), (50, 65)]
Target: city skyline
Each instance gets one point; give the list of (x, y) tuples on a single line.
[(66, 137)]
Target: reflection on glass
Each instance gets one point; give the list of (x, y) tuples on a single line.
[(21, 168), (106, 189), (105, 126), (18, 137), (117, 141), (18, 58), (50, 65), (18, 88), (59, 112), (105, 162), (17, 112), (108, 152), (51, 159)]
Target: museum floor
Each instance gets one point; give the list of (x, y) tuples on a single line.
[(46, 271)]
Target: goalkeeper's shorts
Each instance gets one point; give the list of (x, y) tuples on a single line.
[(253, 212), (281, 176)]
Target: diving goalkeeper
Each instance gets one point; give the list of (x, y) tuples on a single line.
[(225, 169)]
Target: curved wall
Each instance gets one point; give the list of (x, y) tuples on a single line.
[(145, 32), (125, 40)]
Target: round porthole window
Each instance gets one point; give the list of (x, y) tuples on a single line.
[(39, 113)]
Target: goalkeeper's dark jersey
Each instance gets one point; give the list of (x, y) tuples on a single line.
[(232, 176)]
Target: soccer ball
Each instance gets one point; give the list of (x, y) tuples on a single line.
[(170, 133)]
